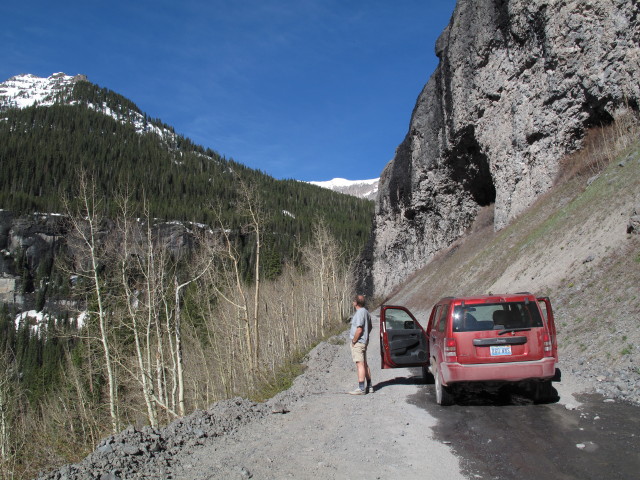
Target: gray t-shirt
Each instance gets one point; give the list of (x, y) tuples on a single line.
[(361, 319)]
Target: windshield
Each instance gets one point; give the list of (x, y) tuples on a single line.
[(496, 316)]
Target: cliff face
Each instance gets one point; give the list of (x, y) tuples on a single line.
[(517, 85), (31, 239)]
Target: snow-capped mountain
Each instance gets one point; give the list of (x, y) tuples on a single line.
[(27, 90), (357, 188)]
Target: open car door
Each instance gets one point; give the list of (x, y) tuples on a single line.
[(403, 342), (547, 311)]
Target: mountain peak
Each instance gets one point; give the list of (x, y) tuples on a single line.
[(26, 89), (367, 189)]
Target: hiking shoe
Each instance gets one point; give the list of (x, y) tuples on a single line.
[(358, 391), (369, 389)]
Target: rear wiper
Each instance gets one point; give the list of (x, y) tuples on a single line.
[(507, 330)]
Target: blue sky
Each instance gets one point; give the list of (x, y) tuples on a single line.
[(304, 89)]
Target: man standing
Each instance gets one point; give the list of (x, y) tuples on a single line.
[(359, 334)]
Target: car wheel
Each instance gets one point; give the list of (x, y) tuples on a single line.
[(427, 376), (444, 396), (542, 391)]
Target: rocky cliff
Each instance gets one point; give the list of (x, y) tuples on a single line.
[(28, 240), (518, 84)]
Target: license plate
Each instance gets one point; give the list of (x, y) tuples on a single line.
[(497, 350)]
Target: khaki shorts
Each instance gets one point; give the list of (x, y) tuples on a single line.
[(359, 352)]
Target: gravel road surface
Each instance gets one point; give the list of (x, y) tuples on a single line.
[(317, 430), (329, 434)]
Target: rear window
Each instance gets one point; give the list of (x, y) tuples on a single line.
[(496, 316)]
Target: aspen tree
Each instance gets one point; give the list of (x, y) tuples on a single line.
[(133, 248), (12, 418), (5, 410), (198, 271), (86, 224), (230, 276), (251, 207)]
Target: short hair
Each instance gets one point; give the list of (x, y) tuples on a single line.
[(359, 299)]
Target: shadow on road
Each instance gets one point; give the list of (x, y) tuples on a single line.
[(415, 380), (505, 397)]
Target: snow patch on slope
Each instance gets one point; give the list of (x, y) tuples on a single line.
[(23, 91), (37, 321), (27, 90), (367, 189)]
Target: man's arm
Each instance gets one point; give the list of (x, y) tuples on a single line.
[(356, 335)]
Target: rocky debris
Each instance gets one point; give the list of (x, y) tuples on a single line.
[(517, 85), (279, 408), (622, 383), (590, 258), (148, 453), (605, 362)]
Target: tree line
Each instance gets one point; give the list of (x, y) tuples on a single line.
[(42, 148), (164, 334)]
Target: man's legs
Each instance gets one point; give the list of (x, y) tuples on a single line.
[(364, 374), (358, 352), (362, 367)]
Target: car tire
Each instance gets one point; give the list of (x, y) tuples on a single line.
[(427, 376), (444, 397), (542, 391)]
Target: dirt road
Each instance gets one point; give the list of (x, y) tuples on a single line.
[(332, 435)]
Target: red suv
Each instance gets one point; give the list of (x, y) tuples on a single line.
[(484, 342)]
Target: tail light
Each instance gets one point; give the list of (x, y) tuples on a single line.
[(548, 349), (450, 350)]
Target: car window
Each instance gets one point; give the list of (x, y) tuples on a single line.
[(442, 323), (490, 316), (523, 315), (436, 317), (397, 319)]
